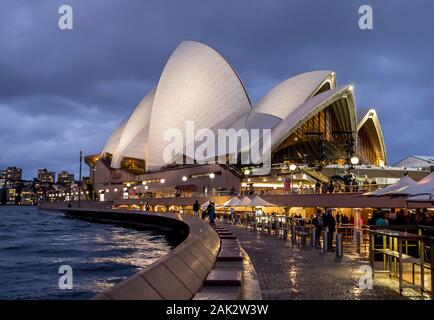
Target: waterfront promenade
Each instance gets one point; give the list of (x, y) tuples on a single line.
[(288, 272)]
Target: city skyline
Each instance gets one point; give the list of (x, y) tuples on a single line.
[(75, 86)]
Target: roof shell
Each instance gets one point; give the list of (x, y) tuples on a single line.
[(114, 138), (197, 85), (134, 138), (284, 98)]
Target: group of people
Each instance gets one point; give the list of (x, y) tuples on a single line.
[(209, 211), (326, 221), (383, 217)]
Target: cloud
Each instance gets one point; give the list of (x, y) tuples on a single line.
[(65, 90)]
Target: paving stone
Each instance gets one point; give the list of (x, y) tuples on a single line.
[(286, 271)]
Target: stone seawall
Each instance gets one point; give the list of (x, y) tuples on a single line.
[(180, 274)]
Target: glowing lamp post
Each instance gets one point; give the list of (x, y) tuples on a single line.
[(292, 168), (162, 181), (354, 161)]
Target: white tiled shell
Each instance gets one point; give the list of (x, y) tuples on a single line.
[(198, 85), (312, 106), (134, 139), (114, 138), (288, 95)]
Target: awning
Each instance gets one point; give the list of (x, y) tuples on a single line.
[(402, 183), (257, 201)]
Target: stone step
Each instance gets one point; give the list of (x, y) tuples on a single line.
[(232, 265), (229, 255), (225, 233), (225, 242), (224, 277), (227, 237), (218, 293)]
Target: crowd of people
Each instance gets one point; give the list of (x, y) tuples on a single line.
[(391, 217)]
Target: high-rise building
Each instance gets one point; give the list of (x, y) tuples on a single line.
[(65, 178), (12, 174), (45, 176)]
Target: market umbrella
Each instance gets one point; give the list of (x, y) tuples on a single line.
[(206, 204), (423, 187), (244, 202), (234, 202), (403, 182), (257, 201)]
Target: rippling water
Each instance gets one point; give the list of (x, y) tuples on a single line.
[(34, 244)]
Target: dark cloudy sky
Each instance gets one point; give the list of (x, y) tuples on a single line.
[(65, 90)]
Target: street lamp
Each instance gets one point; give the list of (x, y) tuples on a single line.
[(354, 161), (162, 181), (184, 178), (292, 168)]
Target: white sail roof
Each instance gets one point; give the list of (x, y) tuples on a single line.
[(114, 138), (134, 139), (197, 85), (288, 95)]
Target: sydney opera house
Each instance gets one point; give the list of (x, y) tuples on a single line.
[(315, 129)]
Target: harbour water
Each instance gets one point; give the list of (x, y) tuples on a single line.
[(34, 244)]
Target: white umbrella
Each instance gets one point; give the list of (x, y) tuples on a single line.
[(234, 202), (257, 201), (421, 198), (423, 187), (403, 182), (244, 202), (205, 205)]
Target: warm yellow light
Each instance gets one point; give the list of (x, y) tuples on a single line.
[(212, 175), (247, 172), (162, 180), (128, 184), (184, 178), (354, 161), (144, 182), (292, 167)]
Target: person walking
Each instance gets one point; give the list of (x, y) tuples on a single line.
[(196, 208), (331, 187), (330, 224), (211, 212), (318, 223), (317, 187)]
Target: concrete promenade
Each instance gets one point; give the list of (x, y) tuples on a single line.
[(287, 271)]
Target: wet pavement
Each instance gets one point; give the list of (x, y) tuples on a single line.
[(287, 271)]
